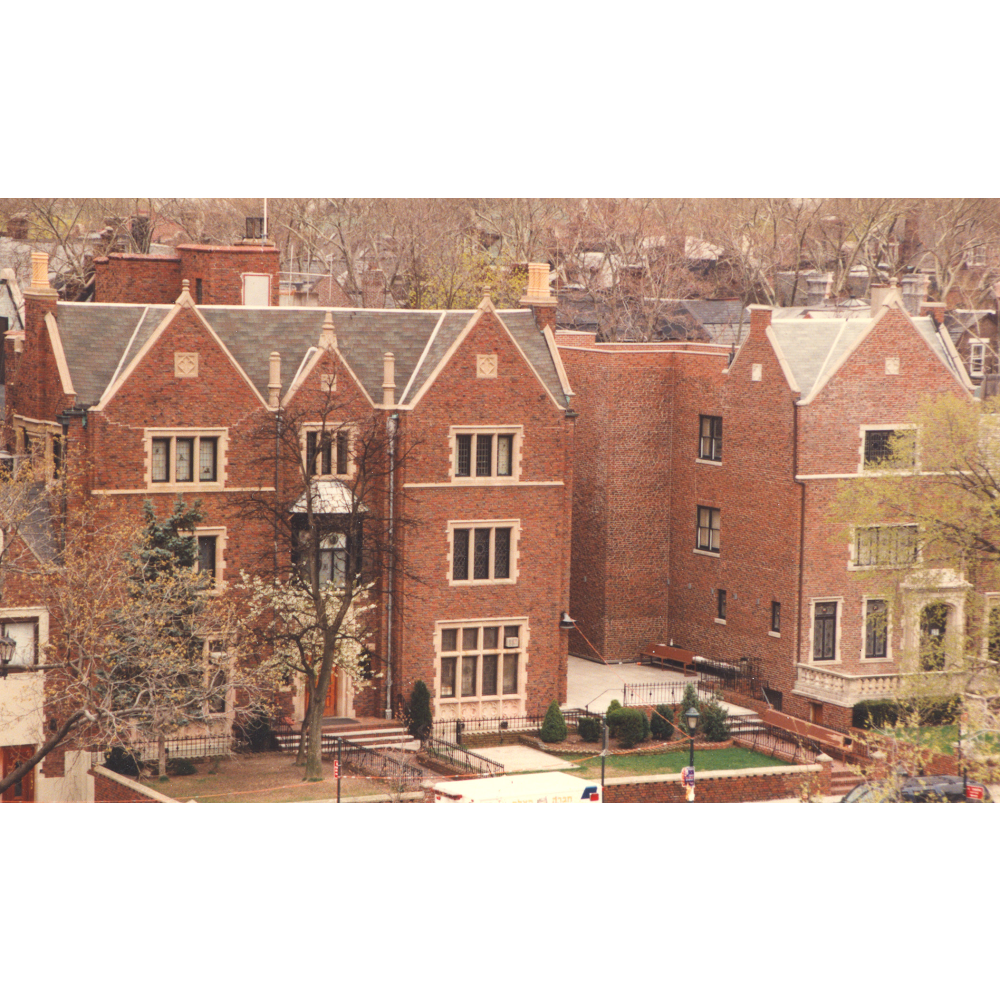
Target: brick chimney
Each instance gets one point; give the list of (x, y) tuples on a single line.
[(760, 319), (39, 297), (538, 295), (388, 379), (274, 380), (373, 289)]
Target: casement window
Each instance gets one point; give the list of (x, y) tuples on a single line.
[(993, 634), (709, 529), (331, 555), (825, 630), (886, 545), (710, 439), (889, 448), (484, 552), (775, 617), (327, 452), (720, 605), (481, 660), (876, 630), (185, 460), (485, 453), (977, 357), (211, 545)]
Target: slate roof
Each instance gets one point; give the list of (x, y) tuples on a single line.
[(100, 339), (813, 347)]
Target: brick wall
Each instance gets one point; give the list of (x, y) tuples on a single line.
[(111, 787), (723, 786), (146, 278)]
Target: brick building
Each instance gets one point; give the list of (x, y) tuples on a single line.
[(166, 398), (703, 483)]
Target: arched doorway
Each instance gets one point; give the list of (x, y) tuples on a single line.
[(933, 629)]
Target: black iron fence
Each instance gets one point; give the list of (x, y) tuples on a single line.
[(744, 677), (452, 730), (465, 760), (368, 761), (659, 692), (190, 747)]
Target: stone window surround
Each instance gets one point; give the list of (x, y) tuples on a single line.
[(838, 630), (888, 658), (38, 615), (864, 428), (480, 699), (333, 428), (220, 532), (221, 434), (517, 432), (515, 537)]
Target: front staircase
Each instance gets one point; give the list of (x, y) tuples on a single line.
[(378, 734), (842, 778)]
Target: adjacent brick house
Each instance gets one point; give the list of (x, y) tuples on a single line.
[(159, 396), (703, 482)]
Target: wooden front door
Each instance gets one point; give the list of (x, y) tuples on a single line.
[(330, 705), (23, 790)]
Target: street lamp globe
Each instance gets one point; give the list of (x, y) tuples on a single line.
[(691, 717)]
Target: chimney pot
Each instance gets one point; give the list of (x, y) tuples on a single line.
[(388, 379), (39, 270)]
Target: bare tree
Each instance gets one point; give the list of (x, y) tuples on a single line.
[(336, 521)]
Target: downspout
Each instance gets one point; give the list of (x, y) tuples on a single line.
[(802, 531), (391, 424), (277, 492)]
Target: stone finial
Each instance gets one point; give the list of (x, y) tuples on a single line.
[(186, 285), (328, 335), (39, 270), (274, 380), (388, 379)]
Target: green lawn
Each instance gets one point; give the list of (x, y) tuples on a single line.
[(941, 738), (620, 766)]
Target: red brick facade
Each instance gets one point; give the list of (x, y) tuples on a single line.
[(640, 575)]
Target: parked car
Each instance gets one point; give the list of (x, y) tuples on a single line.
[(928, 788)]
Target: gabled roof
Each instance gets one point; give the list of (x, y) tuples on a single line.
[(814, 349), (101, 339)]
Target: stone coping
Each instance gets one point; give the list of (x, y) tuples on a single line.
[(135, 786), (745, 772)]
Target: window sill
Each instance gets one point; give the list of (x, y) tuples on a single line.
[(708, 461), (719, 621), (822, 664), (774, 635), (198, 487), (875, 659), (483, 480), (480, 583), (705, 552)]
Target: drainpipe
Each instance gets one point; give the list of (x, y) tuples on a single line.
[(277, 492), (802, 532), (391, 424)]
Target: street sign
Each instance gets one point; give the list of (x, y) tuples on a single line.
[(336, 768), (687, 777), (974, 792)]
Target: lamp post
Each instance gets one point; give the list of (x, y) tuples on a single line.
[(8, 646), (691, 717)]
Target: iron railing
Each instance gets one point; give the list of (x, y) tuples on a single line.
[(191, 747), (466, 760), (368, 761), (657, 692), (452, 730), (767, 739), (743, 677)]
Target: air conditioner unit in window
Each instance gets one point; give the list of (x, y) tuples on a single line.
[(511, 642)]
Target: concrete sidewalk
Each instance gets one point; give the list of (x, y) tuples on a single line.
[(594, 685)]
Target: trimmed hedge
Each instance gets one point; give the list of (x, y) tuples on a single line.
[(589, 728), (879, 712), (631, 727), (418, 711), (713, 723)]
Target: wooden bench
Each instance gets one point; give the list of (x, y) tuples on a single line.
[(660, 654)]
